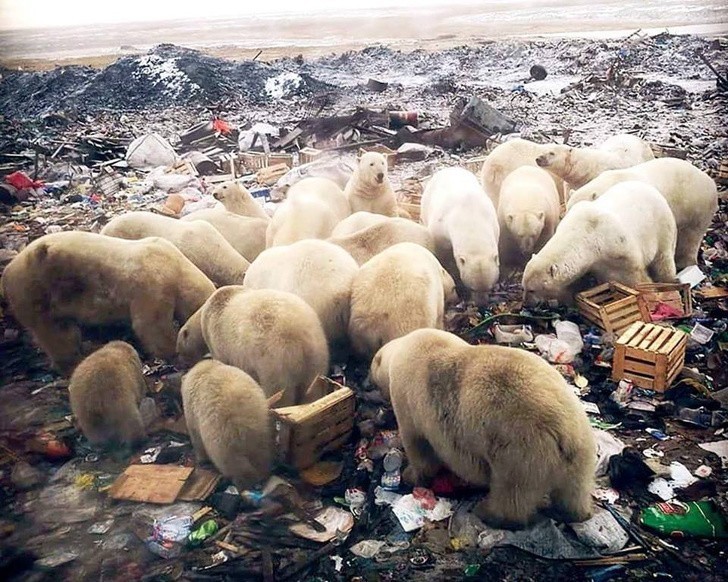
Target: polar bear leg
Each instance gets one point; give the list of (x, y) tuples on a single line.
[(423, 462), (513, 499), (663, 269), (688, 246), (196, 440), (61, 341), (153, 324), (572, 502)]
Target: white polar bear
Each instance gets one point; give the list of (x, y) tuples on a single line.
[(627, 235), (464, 226), (505, 158), (579, 165), (319, 272), (690, 192), (313, 208), (237, 199), (528, 213), (399, 290), (369, 188), (244, 233), (356, 222)]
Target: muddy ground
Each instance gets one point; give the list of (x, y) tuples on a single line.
[(52, 514)]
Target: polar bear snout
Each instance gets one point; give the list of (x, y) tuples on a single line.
[(544, 160), (380, 177)]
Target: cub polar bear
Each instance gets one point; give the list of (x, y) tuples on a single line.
[(690, 192), (627, 235), (497, 417), (464, 226)]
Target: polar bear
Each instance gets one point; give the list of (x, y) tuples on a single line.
[(505, 158), (356, 222), (318, 272), (369, 188), (627, 235), (464, 226), (579, 165), (495, 416), (401, 289), (690, 192), (66, 280), (528, 213), (237, 199), (274, 336), (313, 208), (366, 243), (105, 391), (245, 234), (228, 422), (199, 241)]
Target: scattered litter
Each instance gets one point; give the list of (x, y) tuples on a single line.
[(691, 519), (720, 448), (335, 521), (412, 512)]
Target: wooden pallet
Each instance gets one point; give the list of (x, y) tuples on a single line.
[(722, 175), (649, 355), (307, 431), (612, 306), (676, 295)]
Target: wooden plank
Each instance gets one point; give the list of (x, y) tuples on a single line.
[(640, 381), (629, 302), (639, 336), (630, 333), (660, 372), (646, 342), (301, 412), (672, 342), (624, 289), (665, 334), (639, 355), (641, 367)]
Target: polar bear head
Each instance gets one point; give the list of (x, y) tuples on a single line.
[(542, 280), (372, 169), (556, 156), (526, 228), (191, 346), (478, 271)]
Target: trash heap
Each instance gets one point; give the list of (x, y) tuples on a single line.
[(337, 507)]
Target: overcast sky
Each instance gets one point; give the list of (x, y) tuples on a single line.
[(40, 13)]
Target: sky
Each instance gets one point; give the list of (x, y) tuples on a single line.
[(16, 14)]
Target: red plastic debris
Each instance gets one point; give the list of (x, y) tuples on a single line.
[(221, 126), (21, 181)]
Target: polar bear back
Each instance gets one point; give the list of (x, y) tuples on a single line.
[(325, 190), (356, 222)]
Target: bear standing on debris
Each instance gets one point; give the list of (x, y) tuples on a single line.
[(274, 336), (199, 241), (366, 243), (627, 235), (313, 208), (495, 416), (401, 289), (579, 165), (318, 272), (105, 391), (464, 226), (528, 213), (228, 421), (506, 158), (369, 188), (245, 234), (690, 192), (65, 280), (237, 199)]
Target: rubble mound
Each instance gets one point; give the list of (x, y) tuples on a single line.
[(166, 76)]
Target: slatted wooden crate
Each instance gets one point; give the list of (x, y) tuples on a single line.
[(307, 431), (722, 176), (649, 355), (676, 295), (275, 159), (254, 160), (308, 155), (612, 306)]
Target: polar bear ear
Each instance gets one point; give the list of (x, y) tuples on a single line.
[(553, 271), (594, 196), (509, 218), (461, 259), (540, 215)]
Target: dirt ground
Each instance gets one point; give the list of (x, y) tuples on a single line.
[(56, 518)]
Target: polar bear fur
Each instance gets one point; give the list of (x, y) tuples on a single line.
[(496, 416), (65, 280), (313, 208), (464, 226), (105, 391), (365, 244), (228, 422), (627, 235), (237, 199), (369, 188), (245, 234), (507, 157), (199, 241), (401, 289), (274, 336), (318, 272), (577, 166), (528, 213), (356, 222), (690, 192)]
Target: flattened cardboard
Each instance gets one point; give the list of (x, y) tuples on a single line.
[(150, 483)]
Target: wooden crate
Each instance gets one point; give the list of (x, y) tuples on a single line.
[(308, 155), (649, 355), (722, 175), (389, 154), (612, 306), (307, 431), (474, 164), (280, 158), (676, 295), (254, 160)]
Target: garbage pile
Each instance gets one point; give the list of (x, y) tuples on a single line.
[(73, 511)]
